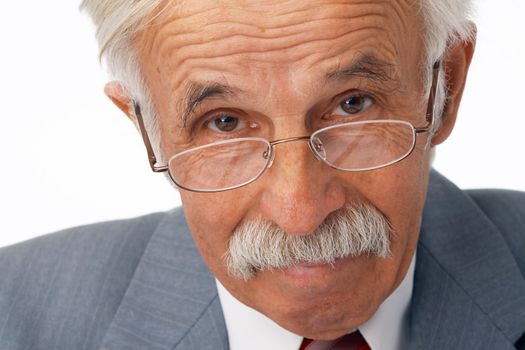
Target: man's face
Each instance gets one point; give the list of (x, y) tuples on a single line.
[(282, 67)]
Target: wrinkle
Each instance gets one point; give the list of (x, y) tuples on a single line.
[(290, 52), (177, 26), (193, 40)]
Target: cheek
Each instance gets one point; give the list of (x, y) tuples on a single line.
[(399, 192), (212, 217)]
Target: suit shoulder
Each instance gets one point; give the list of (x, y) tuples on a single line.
[(506, 209), (66, 281), (94, 240)]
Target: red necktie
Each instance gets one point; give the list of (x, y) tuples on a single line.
[(352, 341)]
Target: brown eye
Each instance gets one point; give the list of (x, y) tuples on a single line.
[(224, 123), (354, 104)]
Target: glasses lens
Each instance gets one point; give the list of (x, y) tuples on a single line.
[(220, 166), (364, 145)]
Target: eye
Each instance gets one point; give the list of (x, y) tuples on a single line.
[(225, 123), (354, 104)]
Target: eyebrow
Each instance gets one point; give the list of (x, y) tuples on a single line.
[(366, 66), (197, 93)]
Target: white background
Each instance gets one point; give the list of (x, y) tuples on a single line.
[(69, 157)]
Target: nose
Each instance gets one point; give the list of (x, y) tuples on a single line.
[(299, 190)]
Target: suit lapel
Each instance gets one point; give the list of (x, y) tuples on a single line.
[(468, 290), (172, 301)]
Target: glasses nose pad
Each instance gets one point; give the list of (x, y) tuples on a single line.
[(318, 148), (269, 154)]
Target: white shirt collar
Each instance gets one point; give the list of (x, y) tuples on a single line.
[(249, 329), (388, 328)]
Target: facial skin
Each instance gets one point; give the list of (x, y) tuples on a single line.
[(275, 57)]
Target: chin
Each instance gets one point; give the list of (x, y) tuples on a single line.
[(325, 321), (321, 301)]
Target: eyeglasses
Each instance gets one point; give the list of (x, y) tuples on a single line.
[(353, 146)]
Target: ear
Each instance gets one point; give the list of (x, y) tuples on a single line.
[(118, 95), (455, 64)]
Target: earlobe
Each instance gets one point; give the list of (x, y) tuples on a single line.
[(118, 95), (455, 64)]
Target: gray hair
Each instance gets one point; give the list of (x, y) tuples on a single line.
[(117, 21), (261, 245)]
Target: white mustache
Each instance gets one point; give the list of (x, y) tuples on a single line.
[(259, 245)]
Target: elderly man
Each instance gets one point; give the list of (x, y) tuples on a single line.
[(300, 135)]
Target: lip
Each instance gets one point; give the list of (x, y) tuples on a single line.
[(314, 270)]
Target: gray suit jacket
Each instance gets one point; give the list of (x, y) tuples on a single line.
[(141, 284)]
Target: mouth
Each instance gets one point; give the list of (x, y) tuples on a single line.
[(312, 271)]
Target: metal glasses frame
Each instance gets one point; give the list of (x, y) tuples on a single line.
[(162, 168)]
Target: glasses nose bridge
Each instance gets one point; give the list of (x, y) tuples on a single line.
[(291, 139)]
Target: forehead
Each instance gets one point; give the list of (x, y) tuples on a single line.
[(273, 43)]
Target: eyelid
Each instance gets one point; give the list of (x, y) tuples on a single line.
[(357, 93), (336, 101), (201, 119), (223, 111), (247, 123), (209, 123)]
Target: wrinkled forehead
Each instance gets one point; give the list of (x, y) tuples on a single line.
[(245, 40)]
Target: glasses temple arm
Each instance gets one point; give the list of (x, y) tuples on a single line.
[(151, 154), (431, 98)]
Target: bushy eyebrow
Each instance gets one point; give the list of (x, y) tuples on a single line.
[(196, 93), (365, 66)]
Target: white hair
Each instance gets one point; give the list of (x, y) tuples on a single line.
[(117, 21), (260, 245), (447, 22)]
